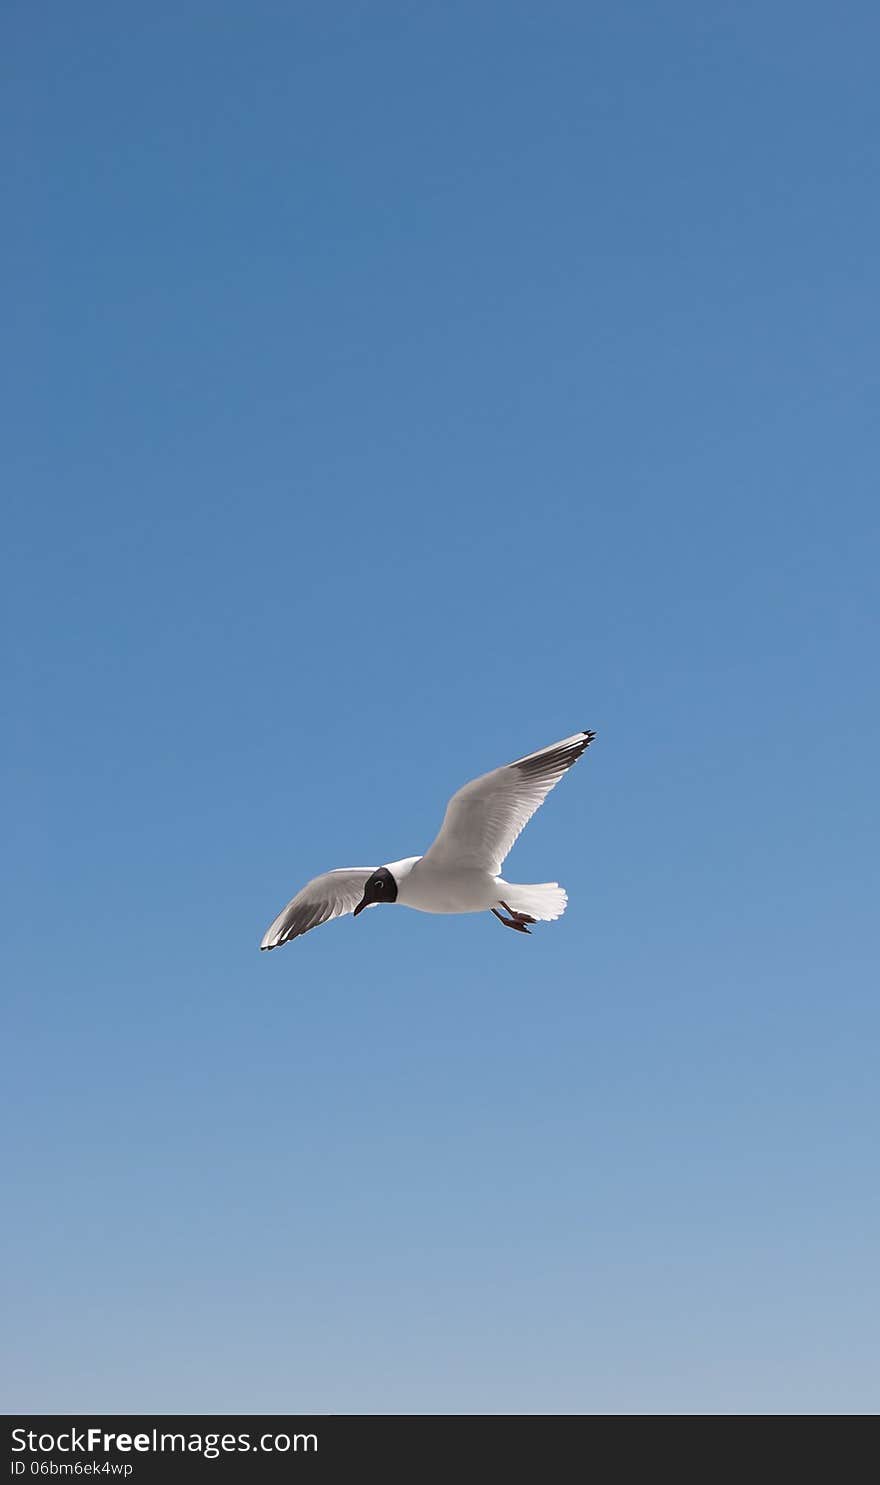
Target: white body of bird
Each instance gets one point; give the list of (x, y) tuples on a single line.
[(430, 887)]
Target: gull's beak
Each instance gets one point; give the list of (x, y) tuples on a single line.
[(361, 905)]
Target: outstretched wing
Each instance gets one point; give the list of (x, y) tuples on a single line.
[(325, 897), (483, 819)]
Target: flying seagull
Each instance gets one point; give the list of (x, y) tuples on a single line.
[(460, 872)]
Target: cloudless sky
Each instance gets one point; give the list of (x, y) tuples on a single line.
[(391, 390)]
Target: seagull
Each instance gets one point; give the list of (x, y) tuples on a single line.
[(460, 872)]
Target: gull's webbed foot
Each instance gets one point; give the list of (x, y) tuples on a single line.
[(517, 920)]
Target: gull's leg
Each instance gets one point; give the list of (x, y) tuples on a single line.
[(511, 922), (519, 917)]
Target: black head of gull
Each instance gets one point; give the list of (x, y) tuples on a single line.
[(380, 887)]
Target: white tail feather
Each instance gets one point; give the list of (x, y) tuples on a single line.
[(542, 900)]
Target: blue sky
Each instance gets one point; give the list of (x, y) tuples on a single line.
[(396, 389)]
